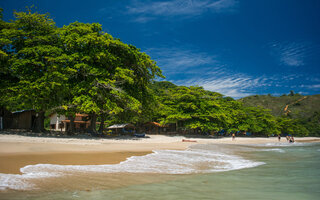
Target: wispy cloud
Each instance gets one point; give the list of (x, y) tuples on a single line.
[(149, 10), (190, 66), (291, 53), (177, 60), (229, 83), (314, 87)]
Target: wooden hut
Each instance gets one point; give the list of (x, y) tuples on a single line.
[(155, 128), (23, 119)]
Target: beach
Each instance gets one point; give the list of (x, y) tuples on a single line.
[(48, 168), (18, 151)]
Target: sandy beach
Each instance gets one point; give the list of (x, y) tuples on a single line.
[(18, 151)]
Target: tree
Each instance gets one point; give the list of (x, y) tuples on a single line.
[(108, 77), (6, 76), (34, 60), (291, 93), (192, 108)]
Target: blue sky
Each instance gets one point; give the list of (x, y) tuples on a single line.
[(235, 47)]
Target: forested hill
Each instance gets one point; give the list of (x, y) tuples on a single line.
[(292, 105)]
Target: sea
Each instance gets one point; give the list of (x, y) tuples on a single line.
[(204, 171)]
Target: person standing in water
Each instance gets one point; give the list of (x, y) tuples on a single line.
[(279, 137), (291, 140)]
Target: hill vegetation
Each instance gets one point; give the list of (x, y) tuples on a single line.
[(304, 110)]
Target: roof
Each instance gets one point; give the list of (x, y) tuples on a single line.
[(115, 126), (21, 111), (78, 122), (81, 115), (77, 114), (157, 124)]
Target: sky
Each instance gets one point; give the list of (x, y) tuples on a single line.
[(235, 47)]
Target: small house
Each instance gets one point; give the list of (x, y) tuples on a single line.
[(56, 123), (155, 128), (23, 119), (62, 123)]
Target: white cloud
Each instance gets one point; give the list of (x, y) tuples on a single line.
[(314, 86), (236, 85), (290, 53), (177, 60), (143, 19), (185, 8)]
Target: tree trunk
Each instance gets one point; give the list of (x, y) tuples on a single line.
[(71, 128), (92, 127), (101, 127), (38, 124)]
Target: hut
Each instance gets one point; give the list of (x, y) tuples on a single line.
[(155, 128), (122, 128), (23, 119)]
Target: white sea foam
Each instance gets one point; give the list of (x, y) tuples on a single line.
[(22, 182), (274, 149), (281, 144), (161, 161)]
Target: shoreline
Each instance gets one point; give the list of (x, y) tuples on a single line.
[(17, 151)]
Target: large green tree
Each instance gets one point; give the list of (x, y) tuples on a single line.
[(108, 77), (32, 41), (192, 108)]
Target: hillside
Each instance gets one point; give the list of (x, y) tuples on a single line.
[(295, 106)]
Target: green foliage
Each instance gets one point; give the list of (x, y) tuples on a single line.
[(195, 108), (32, 45), (107, 76)]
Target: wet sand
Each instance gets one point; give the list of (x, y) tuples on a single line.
[(11, 163)]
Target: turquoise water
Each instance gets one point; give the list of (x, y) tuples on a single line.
[(282, 172)]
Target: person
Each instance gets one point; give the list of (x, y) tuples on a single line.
[(291, 139), (279, 137), (288, 138), (233, 136)]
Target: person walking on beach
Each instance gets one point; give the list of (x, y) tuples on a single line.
[(233, 136), (279, 137)]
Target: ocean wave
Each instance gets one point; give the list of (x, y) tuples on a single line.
[(281, 144), (160, 161), (274, 149)]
